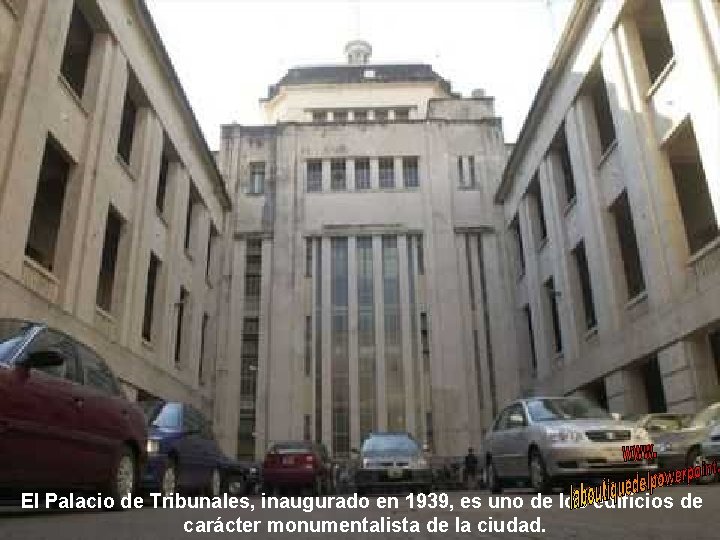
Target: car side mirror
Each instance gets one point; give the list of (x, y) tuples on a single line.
[(46, 358)]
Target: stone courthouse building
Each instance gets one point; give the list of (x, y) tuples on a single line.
[(367, 290), (611, 202)]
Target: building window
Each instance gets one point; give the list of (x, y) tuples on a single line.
[(179, 323), (537, 208), (314, 175), (692, 189), (338, 180), (48, 206), (461, 171), (308, 345), (150, 288), (387, 172), (583, 271), (471, 167), (307, 427), (394, 374), (253, 274), (554, 314), (162, 182), (362, 174), (340, 346), (76, 55), (629, 252), (108, 261), (212, 240), (420, 255), (561, 147), (402, 114), (203, 345), (360, 116), (366, 336), (531, 339), (193, 203), (518, 243), (381, 115), (257, 178), (425, 341), (410, 172), (340, 116), (127, 124), (318, 342), (319, 116), (249, 357), (654, 38), (714, 338), (597, 89), (308, 256)]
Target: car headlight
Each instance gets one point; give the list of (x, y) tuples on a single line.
[(564, 435), (152, 446), (642, 434)]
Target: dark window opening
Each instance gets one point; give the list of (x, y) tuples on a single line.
[(381, 115), (314, 175), (471, 167), (212, 242), (362, 174), (537, 202), (531, 339), (360, 116), (319, 116), (519, 253), (654, 390), (692, 189), (425, 340), (257, 178), (152, 275), (203, 344), (308, 345), (654, 38), (420, 255), (554, 314), (629, 251), (461, 170), (410, 172), (402, 114), (386, 167), (108, 262), (162, 182), (193, 202), (48, 206), (340, 116), (585, 285), (338, 178), (714, 338), (76, 55), (308, 256), (180, 312), (561, 147), (127, 126), (597, 89)]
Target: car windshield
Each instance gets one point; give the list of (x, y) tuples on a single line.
[(12, 333), (292, 448), (169, 416), (706, 417), (547, 410), (390, 445)]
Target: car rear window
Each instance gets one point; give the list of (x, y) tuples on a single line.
[(12, 334), (291, 448)]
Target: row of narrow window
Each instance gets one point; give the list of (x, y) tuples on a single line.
[(360, 115), (361, 167)]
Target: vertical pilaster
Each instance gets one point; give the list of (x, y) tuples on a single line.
[(379, 332)]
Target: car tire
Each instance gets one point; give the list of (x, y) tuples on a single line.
[(494, 482), (540, 481), (693, 459), (123, 476), (168, 482)]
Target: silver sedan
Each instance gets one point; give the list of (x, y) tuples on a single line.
[(549, 441)]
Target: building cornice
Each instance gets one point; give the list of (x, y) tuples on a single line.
[(578, 19)]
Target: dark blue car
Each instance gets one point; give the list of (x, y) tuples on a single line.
[(182, 452)]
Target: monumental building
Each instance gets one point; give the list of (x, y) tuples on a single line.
[(611, 204), (111, 205), (367, 290)]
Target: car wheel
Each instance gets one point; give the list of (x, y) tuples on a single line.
[(540, 481), (123, 476), (168, 484), (695, 458), (240, 486), (494, 483), (215, 487)]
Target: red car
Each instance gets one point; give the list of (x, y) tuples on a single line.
[(297, 465), (64, 421)]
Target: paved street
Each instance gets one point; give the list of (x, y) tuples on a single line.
[(587, 523)]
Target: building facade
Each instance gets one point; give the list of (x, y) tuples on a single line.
[(366, 261), (112, 210), (611, 202)]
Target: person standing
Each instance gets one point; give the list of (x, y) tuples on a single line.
[(471, 463)]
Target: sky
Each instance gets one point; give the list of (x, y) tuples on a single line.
[(227, 52)]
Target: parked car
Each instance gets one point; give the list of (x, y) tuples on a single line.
[(182, 452), (392, 460), (549, 441), (298, 465), (711, 447), (683, 447), (656, 423), (64, 421)]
